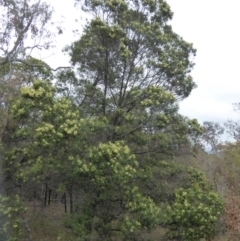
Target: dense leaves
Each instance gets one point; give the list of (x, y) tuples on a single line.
[(117, 187), (108, 134), (11, 210), (195, 210)]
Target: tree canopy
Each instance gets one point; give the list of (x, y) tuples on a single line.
[(108, 132)]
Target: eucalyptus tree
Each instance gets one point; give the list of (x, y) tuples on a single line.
[(120, 198), (13, 76), (23, 20), (108, 131), (132, 69), (212, 133)]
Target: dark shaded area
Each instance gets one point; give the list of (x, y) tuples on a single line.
[(2, 218)]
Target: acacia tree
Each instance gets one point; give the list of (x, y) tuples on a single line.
[(21, 75), (58, 143), (24, 27), (195, 210), (14, 76), (120, 197)]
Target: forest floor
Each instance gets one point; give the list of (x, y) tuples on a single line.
[(45, 223)]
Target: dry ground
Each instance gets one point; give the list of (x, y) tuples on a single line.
[(45, 224)]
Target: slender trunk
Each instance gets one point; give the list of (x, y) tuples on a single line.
[(71, 200), (65, 202), (105, 82), (45, 198), (49, 196), (42, 196)]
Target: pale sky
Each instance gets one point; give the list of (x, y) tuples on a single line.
[(213, 28)]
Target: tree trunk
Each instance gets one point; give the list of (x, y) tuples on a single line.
[(71, 200), (49, 196), (45, 199), (64, 201)]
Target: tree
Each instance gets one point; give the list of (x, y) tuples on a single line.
[(108, 131), (20, 21), (15, 75), (61, 146), (132, 68), (212, 133), (233, 128), (129, 46), (194, 212), (121, 196), (24, 28), (226, 175)]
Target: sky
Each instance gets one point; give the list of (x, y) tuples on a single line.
[(213, 28)]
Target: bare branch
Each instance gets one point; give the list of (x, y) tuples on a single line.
[(41, 65), (22, 20)]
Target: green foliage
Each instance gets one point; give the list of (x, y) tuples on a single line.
[(58, 147), (106, 134), (107, 212), (132, 69), (194, 213), (128, 62), (52, 131), (11, 210), (13, 76)]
